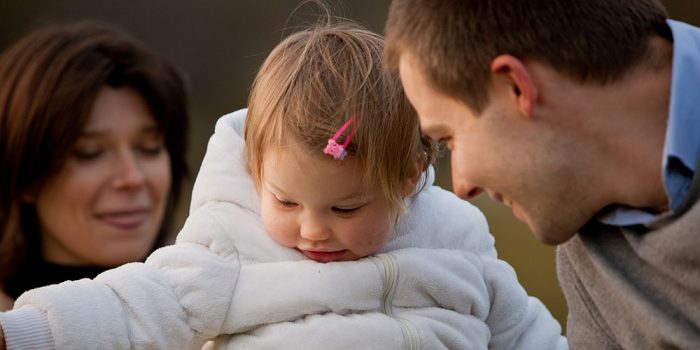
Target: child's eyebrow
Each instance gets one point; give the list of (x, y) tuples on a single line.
[(274, 188), (353, 196), (350, 196)]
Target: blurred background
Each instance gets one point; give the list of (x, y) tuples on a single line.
[(219, 45)]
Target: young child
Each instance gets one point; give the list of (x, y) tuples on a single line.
[(325, 168)]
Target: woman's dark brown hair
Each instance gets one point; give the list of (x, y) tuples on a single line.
[(49, 80)]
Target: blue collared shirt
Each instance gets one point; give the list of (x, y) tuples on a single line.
[(682, 145)]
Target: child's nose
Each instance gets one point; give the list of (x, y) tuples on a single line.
[(314, 229)]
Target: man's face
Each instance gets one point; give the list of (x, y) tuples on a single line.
[(516, 160)]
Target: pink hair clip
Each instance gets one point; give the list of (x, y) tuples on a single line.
[(335, 149)]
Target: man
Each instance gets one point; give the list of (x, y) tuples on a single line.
[(584, 118)]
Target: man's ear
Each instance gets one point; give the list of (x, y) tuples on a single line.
[(523, 86)]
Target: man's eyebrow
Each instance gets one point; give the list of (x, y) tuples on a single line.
[(432, 129)]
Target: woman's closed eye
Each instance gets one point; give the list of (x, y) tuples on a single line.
[(86, 153), (151, 150), (151, 144)]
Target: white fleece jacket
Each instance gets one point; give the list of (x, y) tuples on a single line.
[(436, 285)]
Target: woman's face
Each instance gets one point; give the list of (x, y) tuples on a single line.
[(106, 204)]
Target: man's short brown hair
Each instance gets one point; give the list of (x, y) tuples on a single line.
[(454, 41)]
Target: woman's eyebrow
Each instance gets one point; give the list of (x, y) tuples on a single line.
[(147, 129)]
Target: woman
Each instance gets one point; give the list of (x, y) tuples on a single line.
[(93, 130)]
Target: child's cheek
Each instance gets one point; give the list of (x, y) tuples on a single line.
[(281, 231), (370, 239)]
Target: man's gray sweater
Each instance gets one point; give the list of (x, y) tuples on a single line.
[(635, 287)]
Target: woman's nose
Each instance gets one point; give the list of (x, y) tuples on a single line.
[(129, 173)]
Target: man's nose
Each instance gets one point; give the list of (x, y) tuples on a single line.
[(461, 167), (465, 190)]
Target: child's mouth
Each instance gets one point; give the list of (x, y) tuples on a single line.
[(322, 256)]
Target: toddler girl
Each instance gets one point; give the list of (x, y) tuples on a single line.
[(314, 224)]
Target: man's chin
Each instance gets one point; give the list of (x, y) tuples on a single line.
[(552, 235)]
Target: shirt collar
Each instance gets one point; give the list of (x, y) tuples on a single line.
[(682, 144), (682, 139)]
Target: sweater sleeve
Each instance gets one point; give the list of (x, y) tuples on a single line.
[(26, 328), (416, 329), (408, 299), (180, 295), (319, 332), (406, 279), (516, 320)]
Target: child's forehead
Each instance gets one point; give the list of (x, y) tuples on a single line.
[(296, 166), (298, 155)]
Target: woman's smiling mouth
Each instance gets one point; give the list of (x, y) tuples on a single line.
[(124, 219)]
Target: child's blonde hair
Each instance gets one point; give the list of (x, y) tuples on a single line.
[(317, 79)]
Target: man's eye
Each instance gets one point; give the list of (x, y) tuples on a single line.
[(445, 142)]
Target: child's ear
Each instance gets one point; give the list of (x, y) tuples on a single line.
[(413, 177)]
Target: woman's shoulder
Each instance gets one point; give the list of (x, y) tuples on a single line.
[(5, 301)]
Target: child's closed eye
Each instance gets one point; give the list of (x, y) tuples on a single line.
[(345, 211), (286, 204)]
